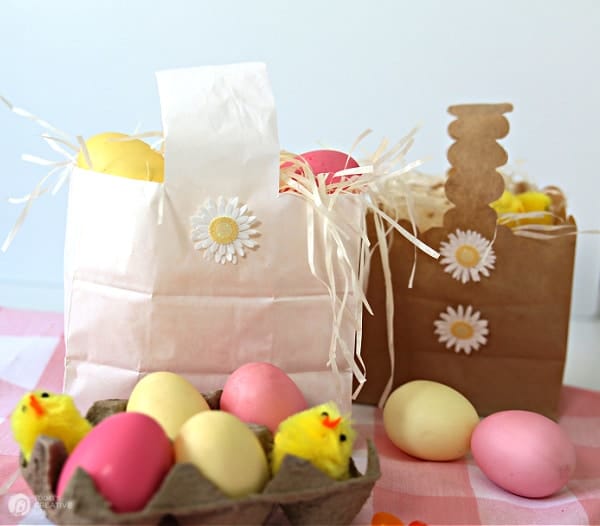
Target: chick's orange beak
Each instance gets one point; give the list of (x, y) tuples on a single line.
[(36, 406), (331, 424)]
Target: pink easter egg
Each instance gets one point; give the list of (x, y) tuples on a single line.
[(330, 162), (523, 452), (127, 455), (261, 393)]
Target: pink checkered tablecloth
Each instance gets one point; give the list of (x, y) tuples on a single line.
[(32, 354)]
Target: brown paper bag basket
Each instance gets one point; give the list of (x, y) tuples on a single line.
[(298, 495), (509, 328)]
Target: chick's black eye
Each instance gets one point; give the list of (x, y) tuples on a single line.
[(343, 438), (324, 413), (24, 408), (44, 395)]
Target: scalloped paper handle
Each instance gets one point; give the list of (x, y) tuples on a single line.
[(473, 181)]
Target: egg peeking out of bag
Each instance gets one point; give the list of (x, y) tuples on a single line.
[(329, 162), (127, 455), (119, 154)]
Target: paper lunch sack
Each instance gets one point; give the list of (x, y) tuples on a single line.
[(141, 296), (490, 318)]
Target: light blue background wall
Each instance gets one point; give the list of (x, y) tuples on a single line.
[(337, 67)]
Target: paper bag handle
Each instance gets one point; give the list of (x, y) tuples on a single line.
[(473, 181), (217, 120)]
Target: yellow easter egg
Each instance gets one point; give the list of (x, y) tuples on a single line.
[(429, 420), (168, 398), (225, 450), (131, 158)]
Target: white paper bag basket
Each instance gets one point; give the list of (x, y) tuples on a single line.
[(140, 297)]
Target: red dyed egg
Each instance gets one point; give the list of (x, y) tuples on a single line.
[(127, 455), (330, 162)]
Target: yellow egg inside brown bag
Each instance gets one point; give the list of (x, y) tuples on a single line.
[(118, 154)]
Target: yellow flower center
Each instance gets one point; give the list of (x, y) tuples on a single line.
[(462, 330), (467, 256), (223, 230)]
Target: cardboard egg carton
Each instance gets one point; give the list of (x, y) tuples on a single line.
[(299, 494)]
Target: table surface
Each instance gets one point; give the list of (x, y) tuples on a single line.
[(32, 354)]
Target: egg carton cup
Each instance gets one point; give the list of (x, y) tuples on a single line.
[(299, 494)]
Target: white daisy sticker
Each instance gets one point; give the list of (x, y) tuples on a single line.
[(462, 329), (466, 255), (224, 230)]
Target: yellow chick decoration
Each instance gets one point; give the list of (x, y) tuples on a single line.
[(118, 154), (536, 202), (508, 204), (48, 414), (321, 436), (522, 203)]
